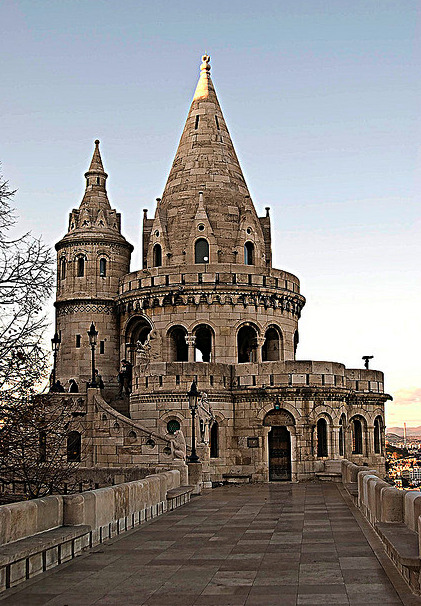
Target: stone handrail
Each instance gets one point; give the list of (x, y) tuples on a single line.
[(40, 534), (394, 514)]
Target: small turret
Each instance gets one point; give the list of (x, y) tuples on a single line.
[(91, 258)]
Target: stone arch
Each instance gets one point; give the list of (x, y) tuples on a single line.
[(247, 343), (177, 344), (358, 426), (341, 435), (378, 435), (272, 349), (204, 343), (278, 417), (137, 329), (80, 264)]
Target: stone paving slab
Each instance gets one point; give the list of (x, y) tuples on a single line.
[(250, 545)]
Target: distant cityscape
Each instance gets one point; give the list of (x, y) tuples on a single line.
[(403, 457)]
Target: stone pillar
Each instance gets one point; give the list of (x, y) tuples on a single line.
[(260, 342), (195, 477), (191, 342)]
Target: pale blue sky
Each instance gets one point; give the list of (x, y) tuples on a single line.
[(322, 100)]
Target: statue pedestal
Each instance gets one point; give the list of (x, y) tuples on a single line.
[(195, 477)]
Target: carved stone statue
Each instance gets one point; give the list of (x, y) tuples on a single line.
[(178, 446)]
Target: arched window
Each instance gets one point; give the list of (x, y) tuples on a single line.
[(342, 422), (63, 269), (246, 344), (42, 446), (249, 253), (80, 267), (74, 441), (377, 435), (157, 255), (357, 437), (271, 350), (178, 349), (103, 267), (201, 251), (214, 440), (203, 343), (322, 438)]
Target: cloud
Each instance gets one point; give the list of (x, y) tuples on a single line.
[(408, 396)]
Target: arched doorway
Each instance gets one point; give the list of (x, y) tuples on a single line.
[(279, 444), (279, 454)]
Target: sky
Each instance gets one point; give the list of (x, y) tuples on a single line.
[(322, 100)]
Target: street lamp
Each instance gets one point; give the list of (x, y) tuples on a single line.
[(193, 394), (55, 344), (277, 404), (92, 334)]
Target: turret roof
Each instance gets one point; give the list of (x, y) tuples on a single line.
[(206, 161)]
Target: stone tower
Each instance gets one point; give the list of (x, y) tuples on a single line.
[(91, 259)]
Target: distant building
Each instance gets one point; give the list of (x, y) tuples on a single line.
[(207, 306)]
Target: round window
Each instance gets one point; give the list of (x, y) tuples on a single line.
[(248, 230), (173, 426), (156, 232), (201, 227)]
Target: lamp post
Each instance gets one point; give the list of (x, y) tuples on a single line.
[(193, 394), (92, 334), (277, 404), (55, 344)]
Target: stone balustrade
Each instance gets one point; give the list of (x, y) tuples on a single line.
[(40, 534), (394, 514)]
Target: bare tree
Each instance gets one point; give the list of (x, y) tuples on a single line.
[(41, 443), (26, 282)]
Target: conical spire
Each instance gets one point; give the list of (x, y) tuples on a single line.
[(206, 161), (95, 193), (96, 162)]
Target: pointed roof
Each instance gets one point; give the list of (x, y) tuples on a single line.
[(95, 197), (206, 161), (96, 162)]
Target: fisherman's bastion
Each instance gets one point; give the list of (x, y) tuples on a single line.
[(209, 311)]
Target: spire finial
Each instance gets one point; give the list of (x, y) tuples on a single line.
[(97, 142), (205, 67)]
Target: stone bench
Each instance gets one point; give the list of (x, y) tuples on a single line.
[(236, 478), (401, 545), (329, 476), (20, 560), (178, 496)]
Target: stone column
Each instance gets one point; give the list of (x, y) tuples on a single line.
[(260, 342), (191, 341)]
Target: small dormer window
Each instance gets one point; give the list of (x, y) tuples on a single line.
[(196, 124), (201, 227), (249, 253), (217, 122), (157, 233), (157, 255), (63, 269), (103, 267), (248, 230), (98, 181), (201, 251)]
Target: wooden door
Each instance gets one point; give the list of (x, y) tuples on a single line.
[(279, 454)]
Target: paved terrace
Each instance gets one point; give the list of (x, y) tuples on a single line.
[(267, 544)]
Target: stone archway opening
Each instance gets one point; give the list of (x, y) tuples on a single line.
[(178, 348), (247, 344), (279, 444), (137, 330), (203, 343)]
